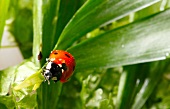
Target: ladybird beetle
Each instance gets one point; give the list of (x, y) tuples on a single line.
[(60, 66)]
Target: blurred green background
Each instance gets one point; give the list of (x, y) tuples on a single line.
[(121, 50)]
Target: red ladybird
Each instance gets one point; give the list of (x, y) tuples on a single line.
[(60, 66)]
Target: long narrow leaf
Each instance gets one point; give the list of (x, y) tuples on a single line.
[(95, 13), (126, 87), (57, 13), (45, 17), (143, 41), (66, 11), (37, 24), (55, 18), (156, 71), (4, 4), (50, 17)]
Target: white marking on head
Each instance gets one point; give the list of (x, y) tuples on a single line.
[(49, 65), (52, 59), (62, 70), (59, 65)]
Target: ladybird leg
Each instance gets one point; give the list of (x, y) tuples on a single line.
[(48, 82), (57, 76), (54, 78), (56, 81)]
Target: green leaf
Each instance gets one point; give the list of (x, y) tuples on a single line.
[(56, 14), (144, 41), (45, 13), (24, 70), (49, 92), (154, 75), (37, 26), (73, 100), (23, 33), (4, 4), (7, 101), (97, 13), (88, 87), (131, 94), (6, 79), (105, 104), (95, 99), (65, 12), (28, 101), (10, 78), (127, 87), (34, 80), (161, 96), (49, 13)]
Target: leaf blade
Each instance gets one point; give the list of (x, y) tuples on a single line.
[(126, 87), (50, 16), (4, 4), (155, 75), (100, 11), (116, 47), (37, 27)]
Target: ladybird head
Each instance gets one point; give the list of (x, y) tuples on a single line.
[(53, 71)]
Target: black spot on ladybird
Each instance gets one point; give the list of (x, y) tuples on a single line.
[(55, 53), (67, 55), (64, 66)]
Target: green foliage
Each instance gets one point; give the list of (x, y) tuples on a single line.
[(24, 16), (3, 13), (121, 50)]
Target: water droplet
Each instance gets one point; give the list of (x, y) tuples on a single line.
[(167, 55), (131, 17)]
